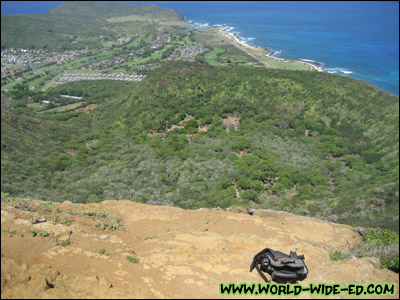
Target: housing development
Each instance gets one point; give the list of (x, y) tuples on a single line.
[(125, 60)]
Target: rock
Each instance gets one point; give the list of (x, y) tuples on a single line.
[(63, 236), (36, 219), (22, 281), (7, 215), (360, 230), (61, 232), (25, 281), (250, 211)]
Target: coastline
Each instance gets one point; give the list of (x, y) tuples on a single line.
[(254, 50), (241, 45), (266, 56)]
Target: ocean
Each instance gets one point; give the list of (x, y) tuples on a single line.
[(350, 38)]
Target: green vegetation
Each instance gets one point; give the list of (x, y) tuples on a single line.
[(65, 243), (336, 255), (5, 197), (49, 31), (110, 222), (307, 142), (48, 206), (44, 233), (104, 252), (214, 133), (67, 222), (11, 232), (379, 237), (65, 27), (211, 57), (379, 243), (109, 10), (222, 52), (132, 259)]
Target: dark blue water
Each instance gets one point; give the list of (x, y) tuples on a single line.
[(358, 39)]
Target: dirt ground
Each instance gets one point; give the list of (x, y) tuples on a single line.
[(122, 249)]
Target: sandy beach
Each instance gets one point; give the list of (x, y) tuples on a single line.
[(254, 50)]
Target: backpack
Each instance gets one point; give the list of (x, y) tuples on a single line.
[(282, 267)]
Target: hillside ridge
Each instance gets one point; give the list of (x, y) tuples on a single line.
[(318, 151), (108, 10), (123, 249)]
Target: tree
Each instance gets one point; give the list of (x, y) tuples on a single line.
[(240, 144), (370, 156), (249, 195), (192, 125)]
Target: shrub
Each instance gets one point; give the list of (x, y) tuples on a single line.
[(250, 195), (32, 232), (103, 252), (379, 243), (337, 255), (191, 124), (65, 243), (44, 233), (381, 237), (370, 156), (240, 144), (133, 259)]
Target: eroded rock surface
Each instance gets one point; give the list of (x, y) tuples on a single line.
[(122, 249)]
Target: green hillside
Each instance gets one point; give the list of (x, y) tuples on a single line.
[(190, 134), (110, 10), (83, 24), (48, 31), (306, 142)]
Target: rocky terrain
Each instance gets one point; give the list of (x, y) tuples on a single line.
[(122, 249)]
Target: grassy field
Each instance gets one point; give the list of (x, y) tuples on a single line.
[(36, 106), (293, 65), (65, 107), (212, 56), (213, 37)]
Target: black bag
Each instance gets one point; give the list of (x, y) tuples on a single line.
[(282, 267)]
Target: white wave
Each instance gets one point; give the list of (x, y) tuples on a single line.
[(309, 60), (245, 43), (337, 70), (332, 70), (229, 28), (275, 52), (248, 41)]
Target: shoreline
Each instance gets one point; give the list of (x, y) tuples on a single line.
[(243, 46), (252, 50)]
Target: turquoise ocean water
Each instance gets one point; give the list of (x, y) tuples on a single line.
[(351, 38)]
